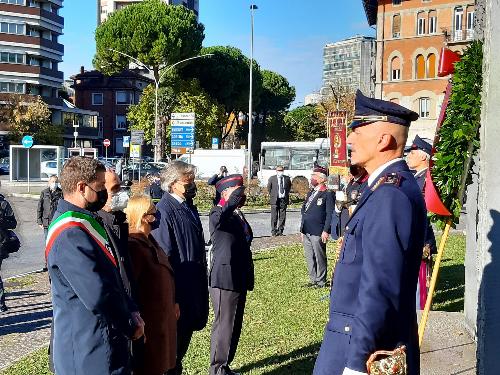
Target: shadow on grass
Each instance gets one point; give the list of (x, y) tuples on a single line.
[(300, 361), (450, 288)]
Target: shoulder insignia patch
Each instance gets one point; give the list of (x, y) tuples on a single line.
[(390, 178)]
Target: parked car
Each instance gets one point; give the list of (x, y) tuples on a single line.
[(4, 165), (47, 169)]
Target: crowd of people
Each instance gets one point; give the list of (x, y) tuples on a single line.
[(131, 283)]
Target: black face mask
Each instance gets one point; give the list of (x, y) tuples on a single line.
[(156, 223), (190, 191), (102, 198)]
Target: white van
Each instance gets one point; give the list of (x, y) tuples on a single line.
[(209, 162)]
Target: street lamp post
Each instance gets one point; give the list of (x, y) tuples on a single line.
[(250, 111), (163, 70)]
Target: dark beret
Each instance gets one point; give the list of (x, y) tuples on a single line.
[(368, 110), (420, 144), (229, 181)]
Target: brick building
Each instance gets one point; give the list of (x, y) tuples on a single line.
[(410, 35), (111, 97)]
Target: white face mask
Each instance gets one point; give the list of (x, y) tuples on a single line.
[(279, 173), (119, 201), (53, 186)]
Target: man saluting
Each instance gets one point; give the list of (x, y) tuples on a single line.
[(372, 301)]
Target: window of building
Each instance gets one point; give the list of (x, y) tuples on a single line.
[(458, 24), (12, 58), (470, 23), (34, 3), (396, 26), (431, 66), (15, 2), (420, 67), (121, 122), (97, 98), (124, 97), (396, 2), (432, 22), (395, 69), (12, 87), (12, 28), (100, 127), (119, 145), (421, 23), (424, 105)]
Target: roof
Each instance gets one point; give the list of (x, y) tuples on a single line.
[(371, 11)]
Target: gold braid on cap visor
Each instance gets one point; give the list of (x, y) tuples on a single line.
[(370, 118)]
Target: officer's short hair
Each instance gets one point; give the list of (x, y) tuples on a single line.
[(79, 168), (174, 172)]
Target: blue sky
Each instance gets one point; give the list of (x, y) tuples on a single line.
[(289, 35)]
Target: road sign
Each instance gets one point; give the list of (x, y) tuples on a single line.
[(185, 136), (27, 141), (181, 150), (137, 137), (215, 143), (106, 142), (183, 116), (175, 143), (135, 151), (126, 141)]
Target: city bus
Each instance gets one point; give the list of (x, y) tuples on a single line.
[(298, 158)]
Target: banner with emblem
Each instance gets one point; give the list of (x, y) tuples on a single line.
[(337, 130)]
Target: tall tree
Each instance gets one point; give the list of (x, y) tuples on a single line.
[(225, 77), (275, 99), (305, 123), (151, 31)]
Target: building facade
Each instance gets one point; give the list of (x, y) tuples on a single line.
[(106, 7), (349, 64), (410, 35), (111, 97)]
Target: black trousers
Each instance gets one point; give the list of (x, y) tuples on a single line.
[(228, 310), (2, 290), (278, 214)]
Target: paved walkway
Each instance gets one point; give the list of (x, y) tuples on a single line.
[(447, 348)]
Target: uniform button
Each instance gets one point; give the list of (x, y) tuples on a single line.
[(347, 228), (347, 328)]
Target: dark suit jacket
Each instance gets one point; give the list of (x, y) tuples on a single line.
[(372, 300), (232, 264), (180, 235), (318, 216), (273, 189)]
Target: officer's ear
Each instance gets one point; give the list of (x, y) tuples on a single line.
[(387, 142), (80, 187)]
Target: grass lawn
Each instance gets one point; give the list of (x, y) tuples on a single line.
[(284, 321)]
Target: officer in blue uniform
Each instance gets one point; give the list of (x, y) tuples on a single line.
[(372, 299)]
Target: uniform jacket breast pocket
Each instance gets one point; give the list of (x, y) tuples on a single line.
[(348, 254)]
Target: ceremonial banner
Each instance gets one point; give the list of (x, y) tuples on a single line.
[(336, 122)]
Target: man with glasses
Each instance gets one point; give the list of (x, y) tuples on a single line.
[(180, 235)]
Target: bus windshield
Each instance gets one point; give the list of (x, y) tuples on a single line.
[(272, 157), (303, 159)]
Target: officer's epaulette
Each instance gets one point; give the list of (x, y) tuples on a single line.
[(390, 178)]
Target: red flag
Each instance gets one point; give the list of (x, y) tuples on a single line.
[(433, 201), (447, 60)]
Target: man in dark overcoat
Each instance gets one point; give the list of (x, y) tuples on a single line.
[(47, 203), (180, 235), (279, 187), (372, 299), (231, 274), (315, 227), (93, 316)]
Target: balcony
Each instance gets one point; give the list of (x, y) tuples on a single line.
[(26, 39), (458, 36), (42, 13), (30, 69)]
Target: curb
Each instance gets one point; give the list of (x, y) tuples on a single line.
[(25, 274), (23, 195)]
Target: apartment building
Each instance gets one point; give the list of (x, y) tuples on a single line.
[(106, 7), (349, 65), (410, 35)]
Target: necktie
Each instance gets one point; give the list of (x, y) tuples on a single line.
[(282, 188)]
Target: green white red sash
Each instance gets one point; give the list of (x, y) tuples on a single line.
[(73, 219)]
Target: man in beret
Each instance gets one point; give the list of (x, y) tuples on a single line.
[(315, 226), (231, 274), (372, 299), (418, 160)]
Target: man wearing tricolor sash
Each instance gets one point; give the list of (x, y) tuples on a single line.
[(93, 316)]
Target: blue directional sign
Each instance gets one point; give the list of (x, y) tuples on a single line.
[(27, 141), (182, 132)]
